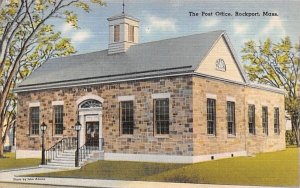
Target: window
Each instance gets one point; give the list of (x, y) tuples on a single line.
[(116, 33), (130, 33), (251, 118), (276, 121), (35, 120), (161, 116), (211, 116), (91, 103), (127, 123), (265, 119), (58, 119), (230, 117)]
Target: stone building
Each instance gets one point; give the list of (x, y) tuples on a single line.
[(179, 100)]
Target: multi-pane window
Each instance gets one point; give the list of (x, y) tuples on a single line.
[(251, 118), (127, 123), (211, 116), (116, 33), (58, 119), (230, 117), (130, 33), (276, 121), (35, 120), (265, 119), (162, 116)]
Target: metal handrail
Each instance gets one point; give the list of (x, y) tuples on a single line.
[(60, 147), (88, 147)]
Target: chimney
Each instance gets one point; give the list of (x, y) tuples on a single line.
[(123, 33)]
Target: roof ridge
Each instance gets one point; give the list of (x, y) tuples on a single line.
[(221, 32), (139, 44), (80, 54)]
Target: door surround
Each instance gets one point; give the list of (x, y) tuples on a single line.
[(85, 112)]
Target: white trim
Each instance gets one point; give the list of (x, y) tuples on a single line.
[(250, 102), (169, 158), (89, 96), (201, 158), (83, 113), (126, 98), (148, 158), (160, 95), (97, 82), (34, 104), (211, 96), (229, 98), (89, 118), (28, 154), (54, 103)]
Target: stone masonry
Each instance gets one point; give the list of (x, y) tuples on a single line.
[(188, 127)]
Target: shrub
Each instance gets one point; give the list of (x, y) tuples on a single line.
[(290, 138)]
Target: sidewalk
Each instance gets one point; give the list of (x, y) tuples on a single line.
[(17, 176)]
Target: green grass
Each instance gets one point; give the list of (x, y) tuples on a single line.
[(271, 169), (116, 170), (10, 162)]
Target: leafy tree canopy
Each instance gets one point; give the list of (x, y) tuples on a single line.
[(27, 40)]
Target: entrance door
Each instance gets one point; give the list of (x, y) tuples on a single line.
[(92, 134)]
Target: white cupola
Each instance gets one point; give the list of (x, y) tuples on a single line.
[(123, 32)]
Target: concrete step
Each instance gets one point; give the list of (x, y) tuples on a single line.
[(65, 157), (57, 164), (67, 154), (63, 161), (59, 167), (70, 151), (61, 164)]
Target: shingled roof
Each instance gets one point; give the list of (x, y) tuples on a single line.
[(182, 54)]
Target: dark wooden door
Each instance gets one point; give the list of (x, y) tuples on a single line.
[(92, 133)]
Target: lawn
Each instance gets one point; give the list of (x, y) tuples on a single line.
[(10, 162), (271, 169)]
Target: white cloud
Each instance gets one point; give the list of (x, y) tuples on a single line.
[(210, 22), (81, 36), (159, 24), (275, 24), (240, 28), (66, 27)]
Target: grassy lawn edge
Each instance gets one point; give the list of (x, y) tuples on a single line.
[(279, 168), (9, 162)]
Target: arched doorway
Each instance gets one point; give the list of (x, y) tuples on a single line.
[(90, 117)]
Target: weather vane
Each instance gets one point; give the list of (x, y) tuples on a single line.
[(123, 7)]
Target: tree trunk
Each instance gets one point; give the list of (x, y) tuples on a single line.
[(1, 145), (295, 129), (298, 138)]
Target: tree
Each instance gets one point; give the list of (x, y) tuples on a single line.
[(276, 65), (27, 40)]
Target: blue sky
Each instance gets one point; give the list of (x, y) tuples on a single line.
[(170, 18)]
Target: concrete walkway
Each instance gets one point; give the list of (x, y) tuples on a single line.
[(18, 176)]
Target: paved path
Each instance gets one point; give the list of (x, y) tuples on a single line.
[(17, 178)]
